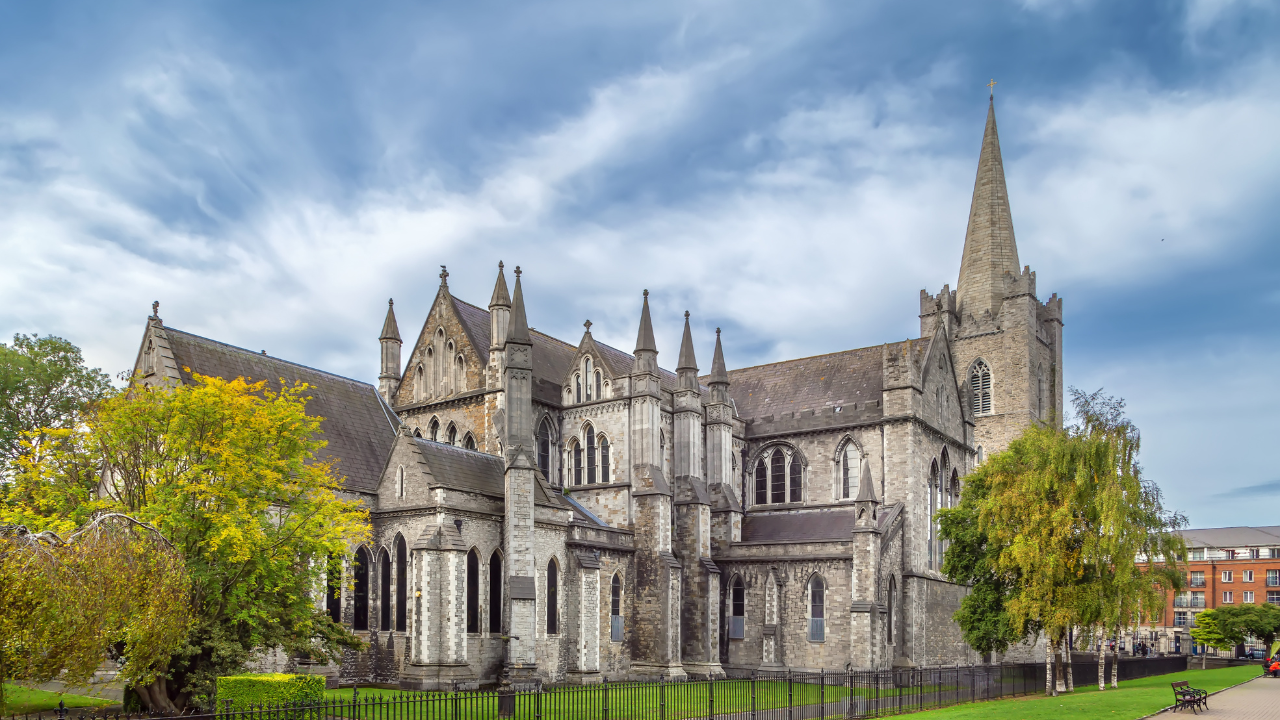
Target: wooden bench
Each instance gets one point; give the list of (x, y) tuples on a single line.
[(1185, 696)]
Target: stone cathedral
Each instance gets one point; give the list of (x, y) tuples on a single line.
[(564, 512)]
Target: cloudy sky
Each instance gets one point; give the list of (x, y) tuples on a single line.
[(792, 172)]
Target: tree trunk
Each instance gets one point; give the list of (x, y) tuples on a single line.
[(1066, 654), (1057, 671), (1102, 661), (155, 695), (1115, 662), (1049, 687)]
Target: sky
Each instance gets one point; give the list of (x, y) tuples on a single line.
[(794, 173)]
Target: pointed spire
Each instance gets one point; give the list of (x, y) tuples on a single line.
[(687, 361), (518, 331), (989, 247), (866, 492), (644, 339), (719, 375), (390, 331), (500, 297)]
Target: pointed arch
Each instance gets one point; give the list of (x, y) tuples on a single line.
[(460, 373), (402, 582), (980, 385), (333, 589), (495, 592), (400, 481), (544, 447), (891, 615), (473, 591), (451, 436), (1040, 396), (575, 459), (469, 441), (419, 384), (577, 388), (384, 589), (849, 461), (605, 460), (737, 608), (934, 560), (553, 597), (360, 590), (762, 482), (795, 478), (589, 434), (586, 372), (615, 608), (778, 476), (817, 602), (433, 430)]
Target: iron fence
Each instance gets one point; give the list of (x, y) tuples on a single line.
[(742, 696)]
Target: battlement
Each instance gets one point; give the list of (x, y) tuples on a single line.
[(1050, 310), (931, 305), (1020, 284)]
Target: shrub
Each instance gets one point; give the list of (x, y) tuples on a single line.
[(269, 689)]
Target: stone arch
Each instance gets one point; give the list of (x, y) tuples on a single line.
[(981, 385), (401, 582), (360, 566), (847, 467), (433, 429), (451, 433), (469, 441), (495, 590)]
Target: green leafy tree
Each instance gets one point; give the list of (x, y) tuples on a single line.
[(227, 471), (43, 384), (114, 588), (1241, 621), (1216, 632)]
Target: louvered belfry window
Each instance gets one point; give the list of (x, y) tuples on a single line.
[(778, 477), (591, 455), (980, 386), (797, 474), (762, 487)]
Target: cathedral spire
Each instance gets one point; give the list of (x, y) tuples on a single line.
[(389, 378), (989, 247), (686, 360), (500, 297), (519, 330), (646, 348), (719, 375), (390, 331)]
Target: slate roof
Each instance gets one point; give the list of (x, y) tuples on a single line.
[(473, 471), (831, 524), (358, 426), (1233, 537), (835, 380)]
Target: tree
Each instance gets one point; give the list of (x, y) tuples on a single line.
[(227, 471), (1240, 621), (1215, 634), (114, 588), (43, 384)]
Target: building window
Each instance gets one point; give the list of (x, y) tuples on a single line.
[(1040, 391), (591, 454), (1195, 554), (737, 609), (979, 455), (599, 389), (576, 451), (795, 476), (1227, 576), (1229, 554), (473, 591), (604, 459), (1255, 553), (933, 511), (434, 430), (495, 593), (460, 374), (1275, 553), (1228, 597), (888, 626), (469, 442), (817, 610), (1248, 597), (1197, 599), (360, 620), (453, 434), (1273, 597), (762, 483), (577, 388), (1248, 576), (849, 465), (1180, 618), (553, 598), (333, 590), (402, 583), (419, 387), (400, 481), (980, 386), (778, 477), (615, 609), (1197, 578), (587, 365), (384, 590), (1273, 578), (544, 448)]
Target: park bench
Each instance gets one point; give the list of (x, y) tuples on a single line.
[(1186, 696)]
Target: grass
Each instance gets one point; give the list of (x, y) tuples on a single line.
[(1133, 699), (20, 700)]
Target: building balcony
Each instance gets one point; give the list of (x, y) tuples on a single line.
[(1196, 583), (1182, 602)]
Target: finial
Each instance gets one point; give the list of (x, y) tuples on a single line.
[(646, 294), (992, 87), (717, 332), (499, 264), (391, 302), (686, 314), (587, 325), (155, 309), (517, 271), (444, 275)]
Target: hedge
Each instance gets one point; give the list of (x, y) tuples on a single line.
[(269, 689)]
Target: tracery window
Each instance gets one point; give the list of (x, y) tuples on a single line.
[(615, 609), (850, 463), (591, 454), (737, 609), (434, 430), (604, 459), (469, 442), (817, 610), (980, 386), (779, 477), (553, 594), (360, 619)]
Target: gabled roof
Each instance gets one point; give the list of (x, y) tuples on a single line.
[(477, 472), (832, 524), (839, 379), (358, 426), (1232, 537)]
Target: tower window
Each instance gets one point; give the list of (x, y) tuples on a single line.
[(849, 466), (980, 386)]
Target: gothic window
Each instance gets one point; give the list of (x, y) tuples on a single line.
[(979, 455), (615, 609), (577, 388), (446, 370), (850, 463), (980, 386), (148, 359), (360, 619), (795, 474), (888, 626), (400, 481), (495, 593), (469, 442), (576, 451), (460, 374), (434, 430), (778, 477), (473, 591), (553, 595), (453, 434), (402, 583), (384, 590), (737, 609), (604, 459), (587, 365), (1040, 392), (590, 435), (419, 385), (955, 489), (933, 510), (762, 487), (544, 448), (599, 383), (333, 590), (817, 610)]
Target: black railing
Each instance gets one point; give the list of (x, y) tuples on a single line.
[(742, 696)]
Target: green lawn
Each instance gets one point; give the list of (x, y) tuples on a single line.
[(20, 700), (1133, 699)]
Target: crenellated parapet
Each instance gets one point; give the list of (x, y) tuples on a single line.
[(934, 307)]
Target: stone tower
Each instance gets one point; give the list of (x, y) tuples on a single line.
[(389, 378), (1006, 344)]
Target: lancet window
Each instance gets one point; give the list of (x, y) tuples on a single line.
[(360, 590), (850, 464)]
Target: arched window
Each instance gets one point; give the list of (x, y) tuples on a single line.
[(400, 481), (473, 591), (434, 430), (796, 475), (599, 388), (553, 597), (544, 448), (446, 370), (469, 441), (453, 434), (762, 483), (587, 372), (384, 590), (817, 610), (933, 511), (148, 359), (979, 459), (980, 386), (576, 452), (402, 583), (615, 609), (778, 477), (360, 619), (419, 385), (955, 489), (604, 459), (333, 590), (495, 593), (591, 454), (889, 616), (577, 388), (850, 463), (429, 381), (460, 374), (737, 609)]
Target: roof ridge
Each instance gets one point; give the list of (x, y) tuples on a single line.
[(813, 357), (272, 357), (438, 444), (531, 330)]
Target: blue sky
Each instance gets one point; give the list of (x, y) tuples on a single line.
[(792, 172)]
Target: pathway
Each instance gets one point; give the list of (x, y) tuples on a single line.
[(1258, 699)]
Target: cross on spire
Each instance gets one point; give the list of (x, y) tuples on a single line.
[(587, 325), (992, 87), (155, 309), (444, 275)]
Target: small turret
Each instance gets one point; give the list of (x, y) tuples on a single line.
[(389, 378), (719, 380), (866, 502), (519, 368), (687, 366), (646, 348), (499, 312)]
